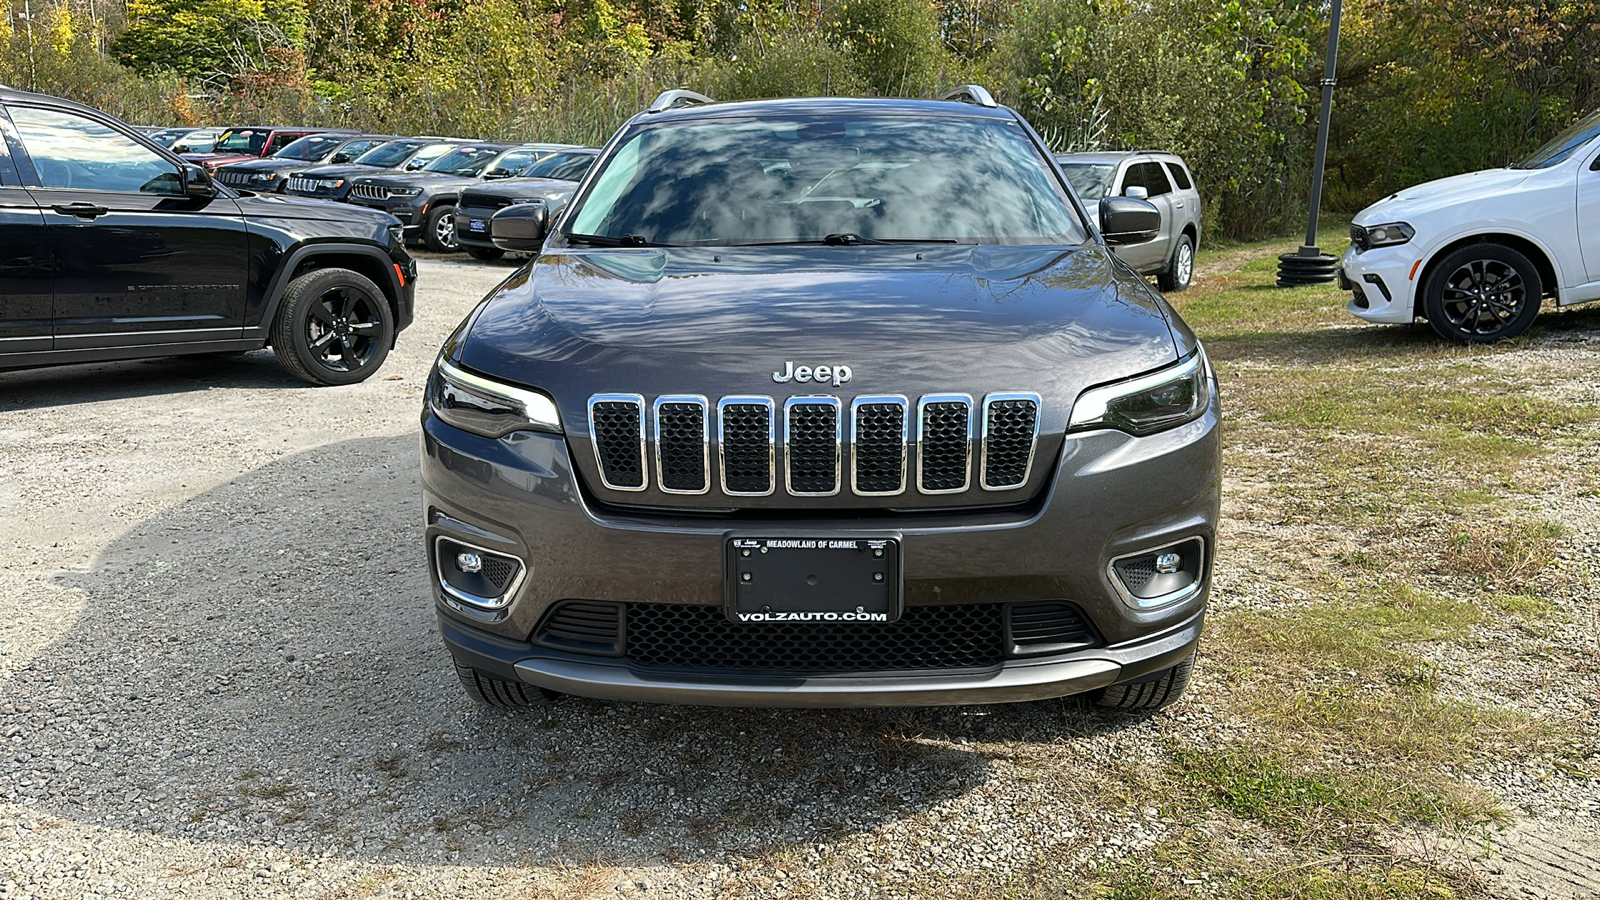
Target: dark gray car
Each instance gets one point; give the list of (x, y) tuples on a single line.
[(800, 406), (1161, 178)]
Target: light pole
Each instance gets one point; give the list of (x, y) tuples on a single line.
[(1309, 265)]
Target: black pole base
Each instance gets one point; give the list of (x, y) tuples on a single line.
[(1297, 269)]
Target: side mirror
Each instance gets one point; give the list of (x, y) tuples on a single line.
[(1126, 220), (521, 227), (197, 182), (1136, 192), (341, 158), (496, 173)]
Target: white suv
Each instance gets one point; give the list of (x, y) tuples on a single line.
[(1476, 254)]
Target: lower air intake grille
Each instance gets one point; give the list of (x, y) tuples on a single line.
[(584, 626), (925, 637), (618, 426), (1136, 573), (1049, 627), (1009, 428), (945, 444)]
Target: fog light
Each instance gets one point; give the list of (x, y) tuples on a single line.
[(470, 563), (1159, 576), (472, 575)]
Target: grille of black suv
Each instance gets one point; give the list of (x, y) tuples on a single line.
[(924, 637), (370, 191), (803, 446), (234, 178)]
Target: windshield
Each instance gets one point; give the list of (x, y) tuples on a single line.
[(310, 148), (823, 178), (1092, 181), (167, 136), (1564, 145), (195, 141), (389, 155), (469, 160), (565, 166), (241, 140)]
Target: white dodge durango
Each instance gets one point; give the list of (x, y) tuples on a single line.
[(1476, 254)]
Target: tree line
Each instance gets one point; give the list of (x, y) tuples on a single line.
[(1427, 88)]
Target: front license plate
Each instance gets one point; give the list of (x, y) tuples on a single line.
[(813, 580), (478, 225)]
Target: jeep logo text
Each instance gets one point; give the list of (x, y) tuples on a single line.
[(818, 374)]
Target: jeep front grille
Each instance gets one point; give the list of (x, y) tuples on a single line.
[(234, 178), (370, 191), (814, 452)]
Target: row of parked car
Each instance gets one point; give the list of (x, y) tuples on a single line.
[(436, 186)]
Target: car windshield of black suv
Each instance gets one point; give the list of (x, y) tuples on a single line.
[(310, 148), (241, 140), (467, 161), (827, 180), (1092, 181), (387, 156), (1563, 145), (563, 166)]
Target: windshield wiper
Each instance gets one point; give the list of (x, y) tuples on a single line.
[(606, 240)]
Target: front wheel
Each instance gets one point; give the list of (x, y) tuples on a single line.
[(487, 254), (1180, 268), (498, 692), (1148, 695), (1482, 293), (333, 327), (439, 230)]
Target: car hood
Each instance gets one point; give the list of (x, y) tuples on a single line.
[(217, 159), (425, 180), (352, 219), (343, 170), (273, 165), (906, 319), (1444, 192), (527, 189)]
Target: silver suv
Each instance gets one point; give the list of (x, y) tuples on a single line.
[(1159, 177)]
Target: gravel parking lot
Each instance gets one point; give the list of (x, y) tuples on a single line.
[(219, 676)]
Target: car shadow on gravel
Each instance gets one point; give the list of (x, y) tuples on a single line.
[(260, 665), (96, 382)]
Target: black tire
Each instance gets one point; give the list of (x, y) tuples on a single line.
[(1482, 293), (1180, 267), (498, 692), (333, 327), (439, 230), (1147, 696), (487, 254)]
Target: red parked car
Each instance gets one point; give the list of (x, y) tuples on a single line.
[(253, 142)]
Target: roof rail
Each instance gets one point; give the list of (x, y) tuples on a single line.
[(971, 93), (676, 98)]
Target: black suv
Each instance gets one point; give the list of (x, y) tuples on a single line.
[(111, 247), (265, 176), (549, 181), (824, 402), (425, 201), (333, 182)]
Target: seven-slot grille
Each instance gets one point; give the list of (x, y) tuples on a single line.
[(302, 185), (227, 177), (947, 428), (370, 191)]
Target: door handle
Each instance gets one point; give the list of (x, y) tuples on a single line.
[(81, 210), (1179, 204)]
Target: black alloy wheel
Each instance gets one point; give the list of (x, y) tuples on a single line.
[(1483, 293), (334, 327)]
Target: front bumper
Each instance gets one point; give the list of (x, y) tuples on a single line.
[(1380, 281), (1110, 495), (464, 233), (409, 210)]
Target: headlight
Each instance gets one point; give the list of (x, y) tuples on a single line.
[(1390, 234), (1149, 403), (397, 235), (404, 191), (262, 176), (333, 182), (483, 406)]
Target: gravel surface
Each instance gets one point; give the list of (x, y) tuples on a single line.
[(220, 675)]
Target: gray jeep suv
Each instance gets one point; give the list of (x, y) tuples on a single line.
[(1161, 178), (824, 402)]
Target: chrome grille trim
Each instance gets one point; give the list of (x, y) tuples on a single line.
[(704, 439), (722, 445), (1033, 440), (855, 441), (922, 421), (789, 408), (637, 401), (370, 191)]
